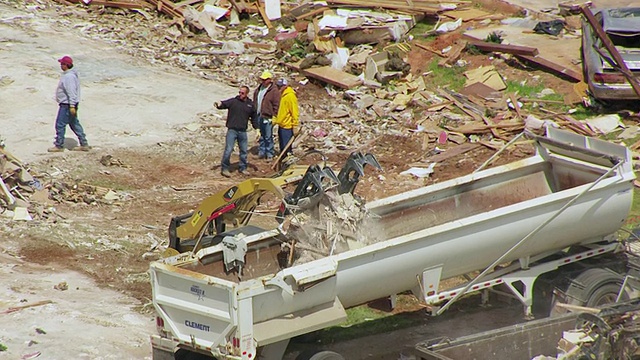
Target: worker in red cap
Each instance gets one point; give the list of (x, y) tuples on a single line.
[(68, 98), (266, 99)]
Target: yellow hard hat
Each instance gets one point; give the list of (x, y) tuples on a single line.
[(266, 75)]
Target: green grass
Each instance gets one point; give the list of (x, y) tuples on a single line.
[(633, 220), (423, 27), (530, 91), (367, 319), (450, 77)]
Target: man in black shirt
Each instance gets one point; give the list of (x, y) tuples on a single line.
[(241, 109)]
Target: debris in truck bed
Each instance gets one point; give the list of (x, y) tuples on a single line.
[(340, 224), (601, 334)]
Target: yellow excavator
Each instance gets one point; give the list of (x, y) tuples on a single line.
[(207, 224)]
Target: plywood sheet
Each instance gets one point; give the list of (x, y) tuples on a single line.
[(330, 75)]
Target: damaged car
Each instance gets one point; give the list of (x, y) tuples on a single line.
[(603, 76)]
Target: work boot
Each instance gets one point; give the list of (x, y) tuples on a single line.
[(243, 172), (82, 148), (226, 173), (55, 149)]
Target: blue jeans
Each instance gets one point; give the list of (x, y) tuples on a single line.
[(63, 119), (284, 135), (265, 147), (230, 141)]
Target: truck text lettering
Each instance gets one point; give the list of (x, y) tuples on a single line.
[(195, 325)]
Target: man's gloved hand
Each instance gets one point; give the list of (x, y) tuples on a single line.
[(296, 130), (73, 110)]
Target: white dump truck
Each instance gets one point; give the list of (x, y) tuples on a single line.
[(507, 226)]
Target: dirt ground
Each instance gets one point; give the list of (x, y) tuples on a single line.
[(138, 113)]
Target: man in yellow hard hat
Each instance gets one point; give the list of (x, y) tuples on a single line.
[(266, 99)]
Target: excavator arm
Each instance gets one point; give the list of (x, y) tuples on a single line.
[(233, 205), (236, 204)]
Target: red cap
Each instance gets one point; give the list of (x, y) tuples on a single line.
[(66, 60)]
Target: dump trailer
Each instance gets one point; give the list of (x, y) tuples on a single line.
[(504, 226)]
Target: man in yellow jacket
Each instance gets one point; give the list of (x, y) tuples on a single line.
[(288, 115)]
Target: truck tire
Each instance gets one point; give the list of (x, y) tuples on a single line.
[(319, 355), (594, 287)]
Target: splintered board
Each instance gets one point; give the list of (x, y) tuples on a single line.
[(329, 75)]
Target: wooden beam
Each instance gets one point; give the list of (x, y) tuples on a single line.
[(449, 153), (504, 48), (329, 75), (424, 47), (595, 25), (263, 14), (312, 13), (558, 69)]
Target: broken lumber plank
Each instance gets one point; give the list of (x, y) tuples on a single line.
[(265, 18), (473, 111), (530, 100), (449, 153), (516, 107), (329, 75), (166, 7), (578, 308), (253, 45), (558, 69), (276, 162), (472, 128), (424, 47), (503, 48), (18, 308), (575, 125), (11, 200), (453, 55), (312, 13)]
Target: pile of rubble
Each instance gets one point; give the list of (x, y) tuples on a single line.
[(610, 333), (339, 223), (27, 195), (359, 51)]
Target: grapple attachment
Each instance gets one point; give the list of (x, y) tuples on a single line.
[(353, 169), (315, 181)]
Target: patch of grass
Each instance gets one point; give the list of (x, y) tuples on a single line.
[(633, 220), (423, 27), (494, 37), (451, 77), (363, 321), (529, 91), (581, 113), (368, 320)]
